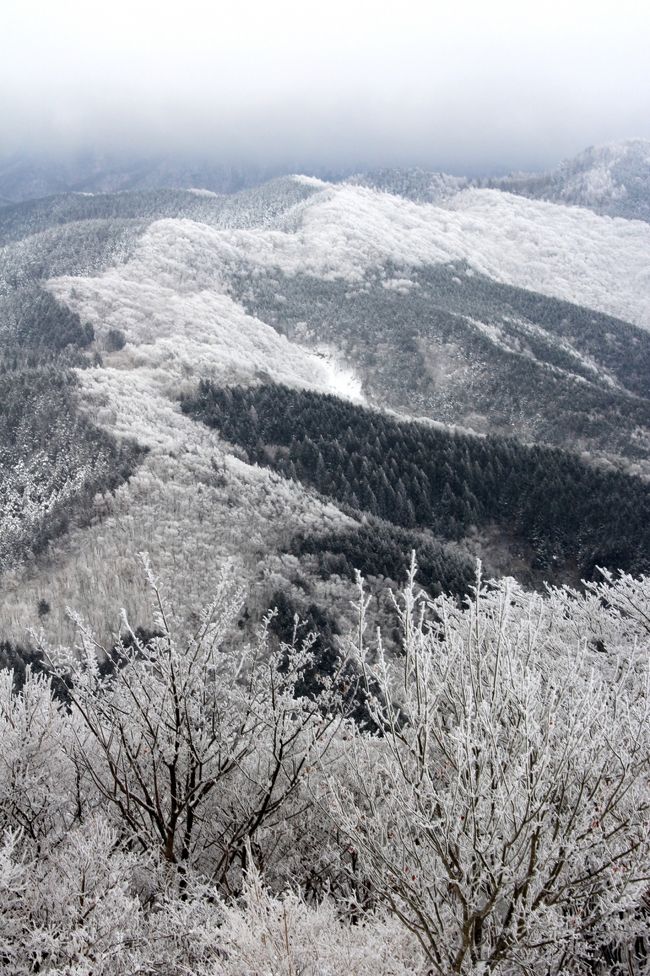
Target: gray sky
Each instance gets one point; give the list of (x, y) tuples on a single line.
[(454, 84)]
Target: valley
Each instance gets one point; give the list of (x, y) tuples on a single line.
[(470, 315)]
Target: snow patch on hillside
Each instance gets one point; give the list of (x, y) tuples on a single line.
[(564, 252), (501, 338), (309, 180), (344, 382), (192, 333)]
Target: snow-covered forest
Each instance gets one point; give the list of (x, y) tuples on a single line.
[(478, 802), (238, 735)]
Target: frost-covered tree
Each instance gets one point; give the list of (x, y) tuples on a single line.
[(502, 812), (196, 744), (187, 810), (39, 782)]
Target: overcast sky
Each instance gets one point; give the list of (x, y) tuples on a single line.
[(455, 84)]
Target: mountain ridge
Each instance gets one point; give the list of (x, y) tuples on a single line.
[(612, 179), (482, 310)]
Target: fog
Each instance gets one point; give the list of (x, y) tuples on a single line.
[(462, 86)]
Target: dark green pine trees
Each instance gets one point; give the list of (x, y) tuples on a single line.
[(416, 476)]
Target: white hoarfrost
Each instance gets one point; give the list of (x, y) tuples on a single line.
[(171, 301), (187, 332), (343, 231)]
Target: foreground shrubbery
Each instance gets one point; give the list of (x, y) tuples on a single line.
[(193, 812)]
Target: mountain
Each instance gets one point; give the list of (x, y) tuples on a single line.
[(613, 180), (26, 176), (415, 184), (232, 754), (508, 325), (440, 310)]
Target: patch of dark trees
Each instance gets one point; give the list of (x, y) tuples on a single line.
[(416, 476), (308, 624), (18, 658), (379, 548), (32, 320), (66, 460), (559, 374)]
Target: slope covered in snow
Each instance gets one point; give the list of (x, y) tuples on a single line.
[(187, 332), (342, 231), (192, 506), (229, 290), (415, 184), (613, 179), (240, 302)]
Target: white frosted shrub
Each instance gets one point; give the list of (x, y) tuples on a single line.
[(192, 815), (503, 813), (269, 935)]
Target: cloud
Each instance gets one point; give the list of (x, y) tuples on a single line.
[(449, 84)]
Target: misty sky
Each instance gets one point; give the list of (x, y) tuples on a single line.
[(455, 85)]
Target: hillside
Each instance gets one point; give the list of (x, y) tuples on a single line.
[(486, 311), (612, 180), (571, 516), (473, 309), (322, 644), (25, 176)]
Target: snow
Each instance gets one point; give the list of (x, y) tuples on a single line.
[(171, 297), (344, 382), (595, 186), (190, 332), (343, 231), (310, 181), (401, 285), (564, 252)]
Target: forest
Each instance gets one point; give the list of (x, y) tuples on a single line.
[(201, 806), (53, 460), (451, 344), (574, 516)]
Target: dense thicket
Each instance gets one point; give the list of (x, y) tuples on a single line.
[(571, 514), (194, 812), (379, 548)]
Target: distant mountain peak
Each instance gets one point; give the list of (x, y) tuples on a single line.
[(612, 151), (613, 179), (413, 183)]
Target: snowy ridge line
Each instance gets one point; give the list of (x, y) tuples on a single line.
[(341, 231), (199, 334)]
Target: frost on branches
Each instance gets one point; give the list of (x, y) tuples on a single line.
[(195, 809), (503, 813)]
